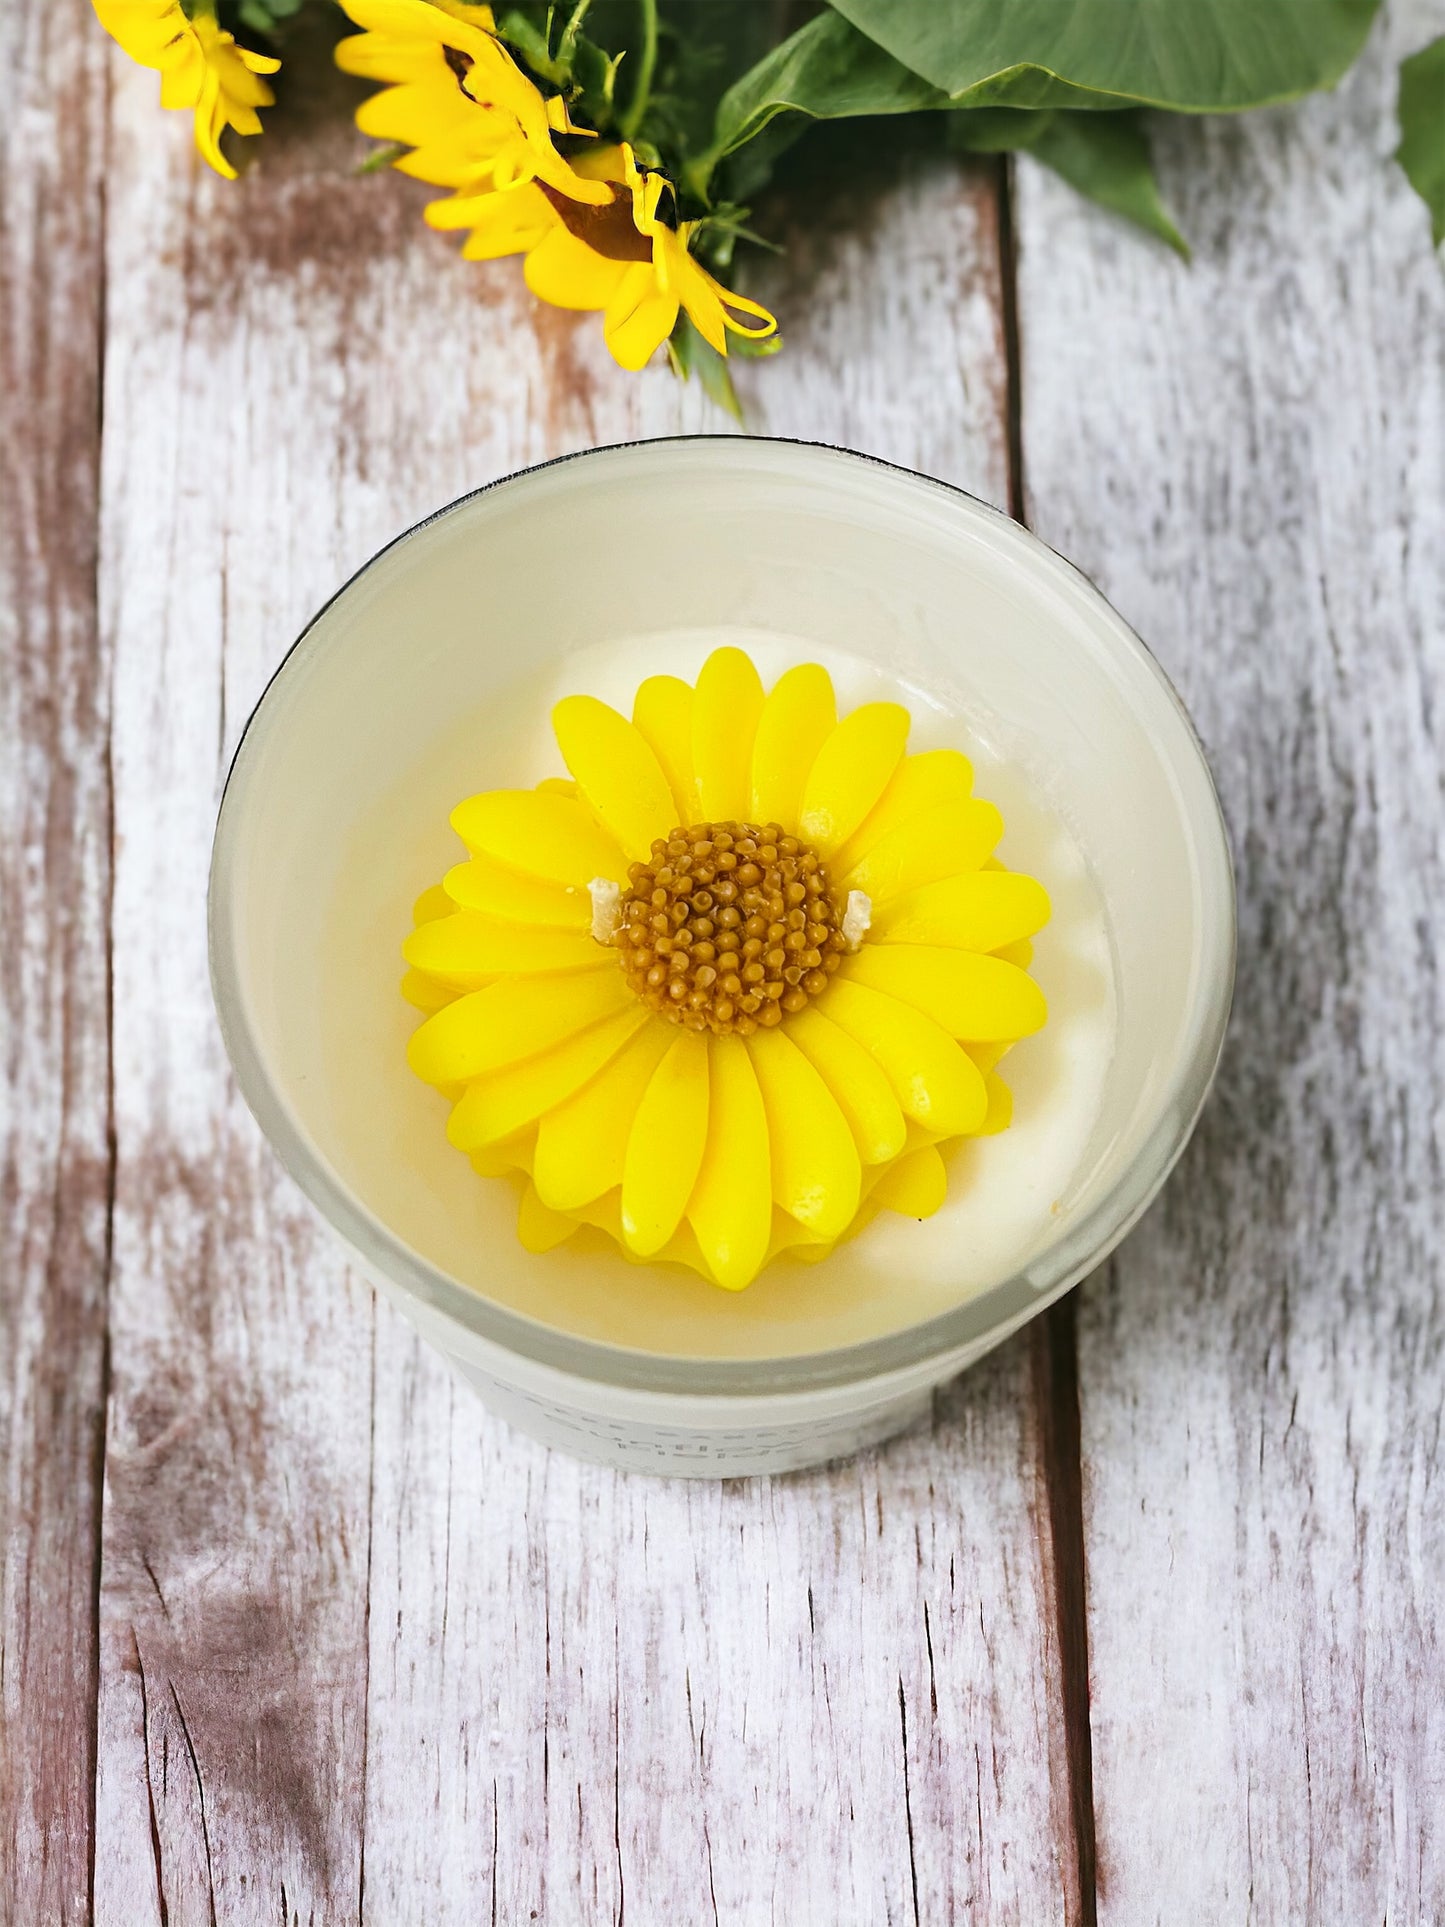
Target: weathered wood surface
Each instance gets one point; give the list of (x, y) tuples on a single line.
[(359, 1652), (1249, 456), (366, 1654), (54, 891)]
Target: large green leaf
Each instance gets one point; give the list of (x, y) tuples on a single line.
[(1422, 130), (1106, 157), (826, 70), (1197, 56)]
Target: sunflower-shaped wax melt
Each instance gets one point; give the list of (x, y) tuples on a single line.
[(725, 992)]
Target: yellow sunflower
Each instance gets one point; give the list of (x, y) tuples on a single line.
[(456, 98), (726, 991), (201, 67), (621, 259)]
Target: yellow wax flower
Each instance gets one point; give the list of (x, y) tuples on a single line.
[(725, 990), (621, 259), (456, 98), (201, 67)]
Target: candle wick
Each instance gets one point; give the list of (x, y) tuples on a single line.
[(606, 908), (857, 917)]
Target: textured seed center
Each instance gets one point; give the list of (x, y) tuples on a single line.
[(729, 926)]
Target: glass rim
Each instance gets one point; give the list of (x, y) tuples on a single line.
[(1080, 1248)]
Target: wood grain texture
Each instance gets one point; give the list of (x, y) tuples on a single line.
[(366, 1653), (54, 905), (1248, 456)]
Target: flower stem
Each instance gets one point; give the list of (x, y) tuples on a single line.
[(647, 61), (571, 30)]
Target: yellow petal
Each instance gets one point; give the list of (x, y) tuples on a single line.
[(559, 786), (483, 884), (470, 948), (1020, 953), (798, 717), (512, 1154), (640, 316), (981, 998), (987, 1055), (424, 993), (538, 1228), (726, 706), (850, 773), (920, 782), (1000, 1106), (864, 1093), (664, 1150), (616, 772), (662, 711), (934, 1081), (431, 904), (815, 1165), (980, 910), (915, 1186), (582, 1145), (541, 834), (731, 1208), (512, 1020), (503, 1101), (565, 271), (938, 842)]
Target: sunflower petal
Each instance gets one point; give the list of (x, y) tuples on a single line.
[(500, 1104), (915, 1186), (665, 1148), (798, 717), (616, 771), (731, 1208), (938, 842), (640, 316), (567, 273), (539, 1228), (935, 1081), (920, 782), (986, 1056), (582, 1145), (662, 711), (511, 1154), (1000, 1106), (815, 1164), (470, 948), (511, 1020), (980, 910), (431, 904), (863, 1092), (1020, 953), (425, 993), (980, 998), (482, 884), (726, 706), (541, 834), (850, 773)]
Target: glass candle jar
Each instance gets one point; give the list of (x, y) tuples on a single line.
[(430, 676)]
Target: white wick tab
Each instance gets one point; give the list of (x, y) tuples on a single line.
[(606, 908), (857, 917)]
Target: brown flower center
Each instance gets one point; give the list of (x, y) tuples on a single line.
[(729, 926)]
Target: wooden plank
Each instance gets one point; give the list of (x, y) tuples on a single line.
[(1247, 455), (814, 1699), (54, 907)]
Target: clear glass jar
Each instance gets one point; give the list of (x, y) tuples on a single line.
[(429, 676)]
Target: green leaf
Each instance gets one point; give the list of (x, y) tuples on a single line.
[(1422, 130), (1197, 56), (691, 355), (1106, 157), (998, 130), (827, 71)]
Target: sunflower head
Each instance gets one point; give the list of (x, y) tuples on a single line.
[(724, 990)]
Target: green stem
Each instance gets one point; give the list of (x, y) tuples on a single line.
[(647, 61), (571, 31)]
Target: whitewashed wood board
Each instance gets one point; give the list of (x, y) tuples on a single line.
[(1248, 455)]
